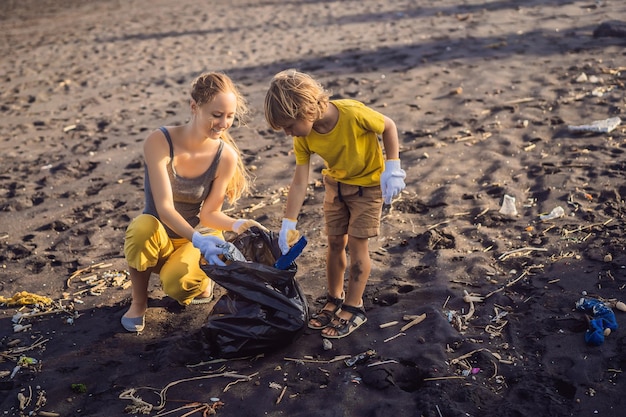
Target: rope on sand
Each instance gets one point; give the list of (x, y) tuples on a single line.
[(140, 406)]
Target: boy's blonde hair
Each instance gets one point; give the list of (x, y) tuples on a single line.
[(204, 89), (294, 95)]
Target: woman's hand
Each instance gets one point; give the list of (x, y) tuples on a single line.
[(242, 225), (210, 247)]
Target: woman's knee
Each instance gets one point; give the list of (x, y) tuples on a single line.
[(145, 243), (142, 227)]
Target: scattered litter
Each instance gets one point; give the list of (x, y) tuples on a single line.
[(472, 371), (598, 126), (554, 214), (582, 78), (327, 344), (508, 206), (17, 328), (388, 324), (394, 337), (308, 360), (413, 322), (524, 251), (360, 358), (95, 279), (603, 320), (140, 406), (275, 385), (382, 363), (282, 394), (470, 298), (23, 298)]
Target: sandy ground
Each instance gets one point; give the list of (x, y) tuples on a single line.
[(483, 94)]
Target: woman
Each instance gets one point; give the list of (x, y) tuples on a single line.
[(190, 170)]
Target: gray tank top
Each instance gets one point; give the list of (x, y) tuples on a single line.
[(188, 193)]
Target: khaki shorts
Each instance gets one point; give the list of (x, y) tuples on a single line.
[(352, 210)]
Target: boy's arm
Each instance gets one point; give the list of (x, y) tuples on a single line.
[(390, 139), (392, 178), (295, 199), (297, 192)]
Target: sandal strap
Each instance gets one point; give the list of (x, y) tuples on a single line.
[(338, 302), (354, 310), (325, 314)]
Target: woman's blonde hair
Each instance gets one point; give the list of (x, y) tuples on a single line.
[(204, 89), (294, 95)]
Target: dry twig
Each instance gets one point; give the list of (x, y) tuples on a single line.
[(525, 249), (413, 322)]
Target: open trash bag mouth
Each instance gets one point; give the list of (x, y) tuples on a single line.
[(263, 309)]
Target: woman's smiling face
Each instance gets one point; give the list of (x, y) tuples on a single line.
[(216, 116)]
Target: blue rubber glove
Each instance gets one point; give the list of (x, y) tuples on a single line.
[(392, 180), (283, 236), (210, 247)]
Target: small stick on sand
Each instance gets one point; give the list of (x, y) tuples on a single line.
[(439, 378), (413, 322), (520, 100), (525, 249), (581, 228), (282, 394), (437, 224), (393, 337)]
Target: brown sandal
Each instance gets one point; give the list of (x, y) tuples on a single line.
[(325, 317)]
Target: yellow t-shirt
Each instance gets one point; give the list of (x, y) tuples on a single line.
[(351, 150)]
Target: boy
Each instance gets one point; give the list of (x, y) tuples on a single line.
[(345, 133)]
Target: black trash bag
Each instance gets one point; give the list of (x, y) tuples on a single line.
[(264, 308)]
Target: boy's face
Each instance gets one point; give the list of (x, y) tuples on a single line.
[(298, 127)]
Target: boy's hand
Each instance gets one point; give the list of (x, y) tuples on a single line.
[(285, 236), (392, 180), (210, 247)]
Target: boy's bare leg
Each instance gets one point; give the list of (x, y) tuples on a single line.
[(139, 293), (360, 268), (336, 263)]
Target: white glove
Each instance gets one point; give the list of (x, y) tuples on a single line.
[(283, 236), (242, 225), (210, 247), (392, 180)]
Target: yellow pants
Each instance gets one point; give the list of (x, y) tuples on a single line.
[(177, 261)]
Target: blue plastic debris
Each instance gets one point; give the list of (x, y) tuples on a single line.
[(603, 318)]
